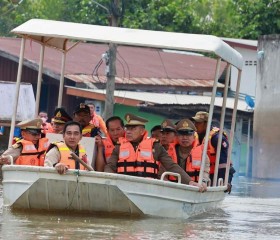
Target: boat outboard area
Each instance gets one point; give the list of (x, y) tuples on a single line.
[(32, 187)]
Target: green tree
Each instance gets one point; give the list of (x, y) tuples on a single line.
[(258, 17)]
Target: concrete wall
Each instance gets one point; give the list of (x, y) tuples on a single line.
[(248, 79), (266, 161)]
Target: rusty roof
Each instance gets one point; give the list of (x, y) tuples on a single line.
[(134, 65)]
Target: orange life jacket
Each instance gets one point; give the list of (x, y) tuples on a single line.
[(193, 163), (86, 132), (47, 128), (108, 147), (211, 152), (66, 158), (172, 152), (140, 162), (30, 155)]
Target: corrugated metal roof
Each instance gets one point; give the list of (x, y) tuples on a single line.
[(146, 81), (165, 98), (134, 65)]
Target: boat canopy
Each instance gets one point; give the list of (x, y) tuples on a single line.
[(57, 33)]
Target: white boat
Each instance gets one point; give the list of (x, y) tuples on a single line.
[(27, 187)]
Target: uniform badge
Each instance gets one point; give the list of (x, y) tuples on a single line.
[(58, 114), (185, 124), (164, 124), (38, 124), (224, 144), (128, 118)]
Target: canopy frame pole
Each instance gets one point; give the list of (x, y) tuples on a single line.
[(211, 110), (233, 120), (222, 122), (39, 81), (61, 82), (19, 74)]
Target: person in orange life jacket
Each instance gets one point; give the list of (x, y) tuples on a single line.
[(168, 134), (31, 148), (168, 139), (82, 116), (58, 154), (188, 153), (200, 119), (46, 126), (138, 155), (97, 120), (105, 146), (156, 132), (60, 118)]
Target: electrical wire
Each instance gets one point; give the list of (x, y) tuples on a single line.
[(128, 70), (162, 62)]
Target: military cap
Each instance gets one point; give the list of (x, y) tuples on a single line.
[(82, 107), (156, 127), (185, 126), (167, 126), (201, 117), (61, 116), (33, 125), (133, 120)]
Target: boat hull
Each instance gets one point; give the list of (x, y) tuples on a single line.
[(27, 187)]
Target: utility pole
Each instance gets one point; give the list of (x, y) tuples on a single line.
[(111, 74)]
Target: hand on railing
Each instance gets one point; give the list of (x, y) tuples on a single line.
[(5, 160)]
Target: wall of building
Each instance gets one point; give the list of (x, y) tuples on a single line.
[(266, 161), (248, 78)]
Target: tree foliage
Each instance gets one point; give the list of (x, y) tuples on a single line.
[(227, 18)]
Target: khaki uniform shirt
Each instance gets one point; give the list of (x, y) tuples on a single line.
[(159, 154), (13, 151), (182, 164), (52, 157)]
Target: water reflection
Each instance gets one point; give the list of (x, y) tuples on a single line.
[(241, 217)]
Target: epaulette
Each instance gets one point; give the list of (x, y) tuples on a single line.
[(16, 145)]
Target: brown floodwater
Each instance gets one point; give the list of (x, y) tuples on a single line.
[(252, 211)]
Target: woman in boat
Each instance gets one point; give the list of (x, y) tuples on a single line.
[(31, 148), (138, 155)]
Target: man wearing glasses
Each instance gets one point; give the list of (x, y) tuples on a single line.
[(138, 155), (31, 148)]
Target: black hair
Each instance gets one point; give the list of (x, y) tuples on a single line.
[(90, 103), (113, 119), (156, 127), (72, 123)]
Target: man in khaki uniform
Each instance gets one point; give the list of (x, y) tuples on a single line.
[(35, 146), (133, 156), (189, 151), (60, 118)]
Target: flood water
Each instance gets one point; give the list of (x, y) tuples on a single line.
[(252, 211)]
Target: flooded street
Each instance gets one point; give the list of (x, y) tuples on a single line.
[(252, 211)]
